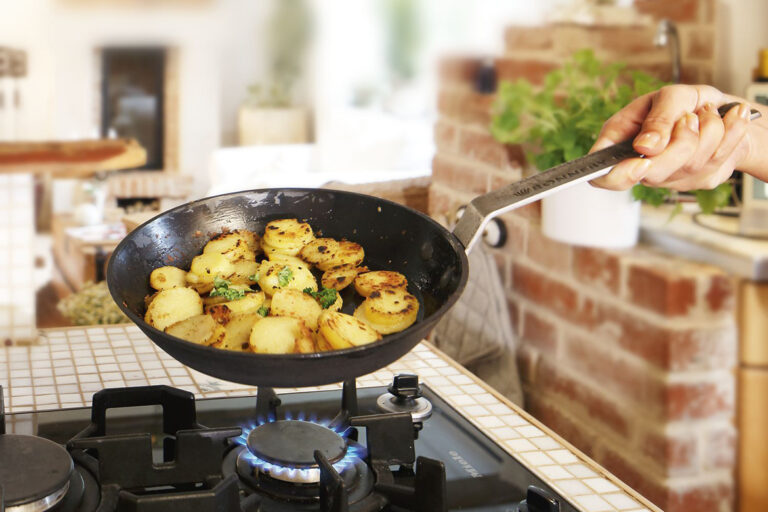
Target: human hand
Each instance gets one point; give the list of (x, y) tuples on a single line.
[(686, 144)]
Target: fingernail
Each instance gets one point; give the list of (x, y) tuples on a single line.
[(640, 170), (692, 122), (601, 144), (744, 111), (648, 140)]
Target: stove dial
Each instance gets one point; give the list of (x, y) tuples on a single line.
[(538, 500), (405, 396)]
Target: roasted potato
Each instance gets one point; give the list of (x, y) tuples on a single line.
[(285, 259), (196, 283), (347, 254), (248, 304), (296, 304), (319, 251), (340, 278), (279, 335), (286, 236), (206, 267), (275, 276), (244, 271), (251, 238), (197, 329), (344, 331), (389, 310), (369, 282), (232, 246), (173, 305), (237, 332), (167, 277)]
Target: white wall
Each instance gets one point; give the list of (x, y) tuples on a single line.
[(741, 28)]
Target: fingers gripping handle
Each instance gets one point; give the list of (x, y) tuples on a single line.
[(483, 208)]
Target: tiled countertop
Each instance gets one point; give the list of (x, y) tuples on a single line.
[(69, 365)]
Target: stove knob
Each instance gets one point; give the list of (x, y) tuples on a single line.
[(405, 386), (539, 500)]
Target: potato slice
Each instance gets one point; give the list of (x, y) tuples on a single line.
[(244, 270), (344, 331), (194, 282), (296, 304), (319, 250), (219, 312), (369, 282), (279, 335), (237, 332), (252, 239), (321, 343), (389, 310), (287, 236), (348, 254), (275, 276), (285, 259), (208, 266), (340, 278), (173, 305), (197, 329), (232, 246), (248, 304), (167, 277)]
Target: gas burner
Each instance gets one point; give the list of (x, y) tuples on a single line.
[(35, 473), (285, 450)]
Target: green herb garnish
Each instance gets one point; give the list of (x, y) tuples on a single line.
[(326, 297), (284, 276), (253, 277), (221, 288), (263, 311)]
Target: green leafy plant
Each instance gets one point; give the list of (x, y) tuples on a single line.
[(561, 120), (221, 288), (326, 297)]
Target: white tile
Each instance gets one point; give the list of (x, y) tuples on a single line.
[(503, 433), (489, 421), (555, 472), (46, 399), (620, 501), (474, 411), (573, 487), (513, 420), (601, 485), (562, 456), (593, 503), (537, 458), (530, 431), (546, 443), (520, 445), (70, 398), (580, 471)]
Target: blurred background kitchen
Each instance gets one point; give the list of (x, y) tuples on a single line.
[(642, 342)]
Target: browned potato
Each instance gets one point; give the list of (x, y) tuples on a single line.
[(173, 305), (296, 304), (232, 246), (197, 329), (344, 331), (369, 282), (286, 236), (274, 276), (340, 278), (237, 332), (389, 310), (167, 277), (252, 239), (279, 335), (348, 254)]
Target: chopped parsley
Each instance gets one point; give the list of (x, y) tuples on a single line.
[(326, 297), (221, 288), (263, 311), (254, 277), (284, 276)]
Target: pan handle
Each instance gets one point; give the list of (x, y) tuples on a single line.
[(483, 208)]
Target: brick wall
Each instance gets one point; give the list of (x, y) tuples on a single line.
[(627, 354)]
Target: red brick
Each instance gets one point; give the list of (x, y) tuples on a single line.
[(458, 69), (549, 253), (534, 71), (530, 211), (633, 472), (465, 105), (633, 382), (442, 202), (703, 497), (699, 400), (514, 315), (527, 364), (501, 179), (720, 295), (707, 11), (554, 417), (481, 146), (661, 291), (679, 10), (720, 448), (539, 333), (446, 137), (459, 175), (699, 44), (553, 295), (670, 349), (622, 40), (677, 454), (528, 38), (596, 268), (517, 233), (502, 263)]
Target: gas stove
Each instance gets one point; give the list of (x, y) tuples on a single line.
[(156, 448)]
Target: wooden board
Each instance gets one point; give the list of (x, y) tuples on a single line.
[(74, 159)]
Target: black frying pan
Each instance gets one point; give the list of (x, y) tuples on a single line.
[(394, 238)]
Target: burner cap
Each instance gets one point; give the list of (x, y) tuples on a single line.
[(293, 443), (34, 473)]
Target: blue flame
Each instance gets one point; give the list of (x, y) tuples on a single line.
[(353, 453)]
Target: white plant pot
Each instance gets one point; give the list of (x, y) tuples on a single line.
[(592, 217), (272, 126)]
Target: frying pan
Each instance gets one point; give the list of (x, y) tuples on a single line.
[(393, 236)]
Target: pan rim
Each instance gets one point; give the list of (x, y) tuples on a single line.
[(386, 339)]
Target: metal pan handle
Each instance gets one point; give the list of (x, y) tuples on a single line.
[(483, 208)]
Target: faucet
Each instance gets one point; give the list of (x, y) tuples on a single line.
[(666, 35)]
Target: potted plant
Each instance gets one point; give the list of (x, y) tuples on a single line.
[(269, 114), (560, 122)]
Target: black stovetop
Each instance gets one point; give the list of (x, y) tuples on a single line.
[(115, 450)]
